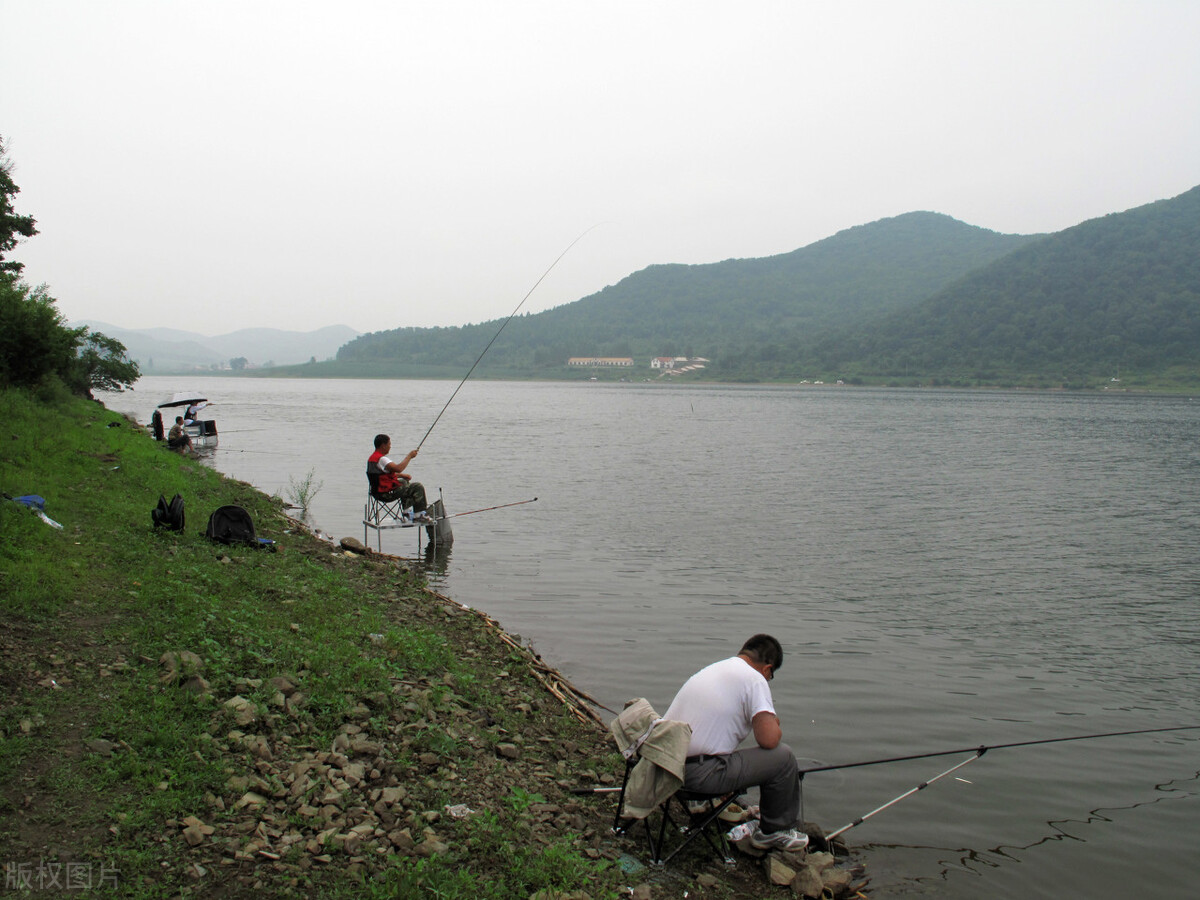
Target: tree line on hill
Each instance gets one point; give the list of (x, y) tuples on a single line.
[(37, 349), (737, 312), (1117, 293), (918, 297)]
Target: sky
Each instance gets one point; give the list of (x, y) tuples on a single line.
[(217, 165)]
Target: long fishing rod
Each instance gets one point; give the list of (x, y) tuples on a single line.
[(501, 328), (488, 508), (908, 793), (977, 751), (983, 748)]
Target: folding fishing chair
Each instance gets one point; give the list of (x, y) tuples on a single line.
[(380, 514), (655, 751)]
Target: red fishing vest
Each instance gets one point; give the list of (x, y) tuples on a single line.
[(387, 481)]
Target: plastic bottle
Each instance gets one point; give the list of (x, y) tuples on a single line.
[(744, 829)]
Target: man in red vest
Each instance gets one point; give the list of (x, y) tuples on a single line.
[(394, 484)]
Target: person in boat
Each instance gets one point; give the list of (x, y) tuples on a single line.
[(177, 438), (723, 703), (190, 414), (394, 482)]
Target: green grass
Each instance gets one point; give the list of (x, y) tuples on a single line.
[(90, 609)]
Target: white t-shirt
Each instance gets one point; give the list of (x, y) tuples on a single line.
[(720, 703)]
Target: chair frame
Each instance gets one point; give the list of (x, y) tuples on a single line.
[(690, 827), (383, 514)]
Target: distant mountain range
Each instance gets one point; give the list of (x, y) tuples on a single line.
[(167, 351), (919, 298)]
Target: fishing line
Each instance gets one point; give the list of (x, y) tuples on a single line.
[(487, 508), (501, 328)]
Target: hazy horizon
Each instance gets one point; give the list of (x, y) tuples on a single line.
[(219, 166)]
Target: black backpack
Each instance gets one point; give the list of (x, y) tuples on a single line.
[(231, 525), (168, 515)]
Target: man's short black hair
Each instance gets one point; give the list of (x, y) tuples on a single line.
[(763, 649), (380, 440)]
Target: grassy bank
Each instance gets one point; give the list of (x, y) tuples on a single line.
[(183, 718)]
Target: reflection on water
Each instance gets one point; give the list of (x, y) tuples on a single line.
[(436, 560), (944, 569)]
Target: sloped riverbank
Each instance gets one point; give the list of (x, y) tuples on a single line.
[(183, 718)]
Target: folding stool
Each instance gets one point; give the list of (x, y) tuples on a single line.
[(659, 782)]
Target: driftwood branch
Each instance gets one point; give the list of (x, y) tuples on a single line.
[(551, 679)]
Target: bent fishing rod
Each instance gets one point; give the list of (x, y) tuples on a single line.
[(500, 329)]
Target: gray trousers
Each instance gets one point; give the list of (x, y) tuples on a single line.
[(773, 772)]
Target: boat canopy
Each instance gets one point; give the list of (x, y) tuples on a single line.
[(184, 398)]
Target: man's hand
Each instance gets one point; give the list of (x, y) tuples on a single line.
[(767, 732)]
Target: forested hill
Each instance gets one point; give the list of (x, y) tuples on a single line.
[(918, 298), (719, 308), (864, 270), (1121, 292)]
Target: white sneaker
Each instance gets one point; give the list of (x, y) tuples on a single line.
[(787, 839)]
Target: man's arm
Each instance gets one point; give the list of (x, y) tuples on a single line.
[(767, 732), (397, 467)]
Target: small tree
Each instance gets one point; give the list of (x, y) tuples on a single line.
[(102, 364), (35, 343), (12, 226), (238, 363)]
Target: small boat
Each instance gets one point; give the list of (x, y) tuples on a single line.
[(188, 404)]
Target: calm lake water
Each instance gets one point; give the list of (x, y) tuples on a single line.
[(944, 569)]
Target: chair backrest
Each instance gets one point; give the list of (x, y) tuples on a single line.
[(373, 479)]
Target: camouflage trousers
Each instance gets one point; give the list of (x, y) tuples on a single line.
[(411, 493)]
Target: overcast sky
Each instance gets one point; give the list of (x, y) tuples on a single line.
[(217, 165)]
